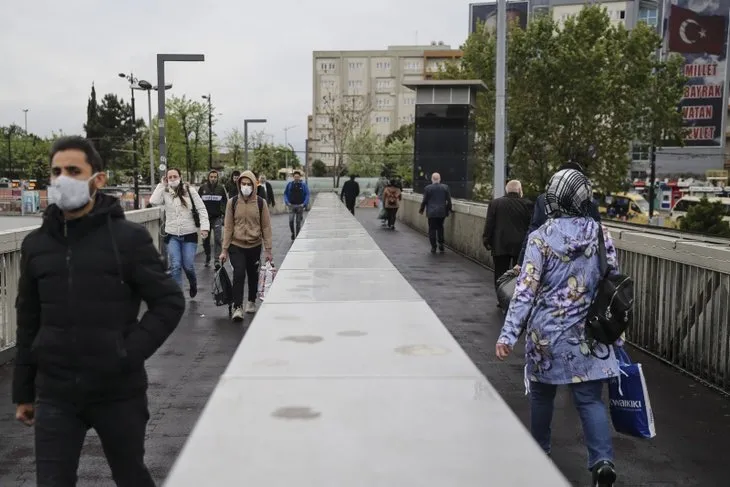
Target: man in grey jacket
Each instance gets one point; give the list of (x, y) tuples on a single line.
[(437, 204)]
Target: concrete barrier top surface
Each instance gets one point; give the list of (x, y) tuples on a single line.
[(346, 377)]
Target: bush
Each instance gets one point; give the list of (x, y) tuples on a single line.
[(707, 218)]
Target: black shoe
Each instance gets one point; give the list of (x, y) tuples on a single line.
[(193, 289), (293, 236), (207, 262), (604, 474), (442, 249), (433, 250), (217, 265)]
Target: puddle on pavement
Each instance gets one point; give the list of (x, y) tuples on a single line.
[(296, 412), (352, 333), (302, 339), (421, 350)]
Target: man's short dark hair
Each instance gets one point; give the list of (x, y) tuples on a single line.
[(212, 171), (76, 142), (572, 165), (235, 173), (297, 172)]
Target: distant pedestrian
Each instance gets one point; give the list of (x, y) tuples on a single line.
[(231, 184), (350, 192), (379, 189), (296, 198), (185, 216), (507, 220), (437, 205), (265, 191), (391, 201), (215, 198), (81, 343)]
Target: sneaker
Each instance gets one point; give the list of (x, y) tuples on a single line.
[(293, 236), (442, 249), (193, 290), (238, 313), (604, 474), (433, 250), (250, 307)]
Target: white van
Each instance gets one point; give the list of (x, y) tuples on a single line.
[(686, 202)]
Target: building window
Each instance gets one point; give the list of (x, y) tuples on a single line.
[(385, 65), (355, 66), (640, 153), (326, 66), (382, 119), (357, 83), (385, 102), (409, 100), (648, 15), (412, 66), (384, 84)]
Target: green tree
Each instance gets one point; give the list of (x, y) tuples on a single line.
[(265, 161), (582, 92), (235, 145), (398, 160), (707, 218), (23, 155), (319, 169), (365, 154), (187, 126), (405, 132)]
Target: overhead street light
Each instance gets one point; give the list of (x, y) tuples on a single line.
[(133, 82), (245, 137)]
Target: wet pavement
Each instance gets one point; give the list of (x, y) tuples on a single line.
[(182, 374), (692, 421)]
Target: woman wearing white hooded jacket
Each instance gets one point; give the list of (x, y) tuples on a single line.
[(185, 215)]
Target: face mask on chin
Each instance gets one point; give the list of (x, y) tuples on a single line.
[(70, 194)]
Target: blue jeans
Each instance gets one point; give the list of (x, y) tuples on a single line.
[(181, 256), (593, 415)]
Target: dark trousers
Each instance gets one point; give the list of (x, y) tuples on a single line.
[(296, 214), (390, 213), (503, 263), (245, 264), (60, 430), (350, 204), (436, 232), (216, 231)]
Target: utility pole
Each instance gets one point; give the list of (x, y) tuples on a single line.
[(286, 143), (25, 114), (652, 180), (10, 152), (500, 105), (210, 130), (134, 83)]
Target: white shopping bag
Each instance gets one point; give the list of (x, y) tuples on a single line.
[(267, 273)]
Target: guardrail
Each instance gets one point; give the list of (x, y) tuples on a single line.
[(347, 378), (682, 283), (10, 242)]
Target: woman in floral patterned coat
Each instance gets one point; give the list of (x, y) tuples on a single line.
[(558, 280)]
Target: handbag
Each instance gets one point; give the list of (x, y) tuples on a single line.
[(611, 311), (193, 209), (506, 285), (628, 399)]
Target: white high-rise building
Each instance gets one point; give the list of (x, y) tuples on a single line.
[(376, 75)]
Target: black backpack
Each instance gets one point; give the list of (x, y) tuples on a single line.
[(611, 311)]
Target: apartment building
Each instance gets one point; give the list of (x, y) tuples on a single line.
[(377, 76)]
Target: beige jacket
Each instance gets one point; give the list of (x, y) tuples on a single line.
[(248, 230)]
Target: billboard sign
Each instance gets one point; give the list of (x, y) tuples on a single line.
[(698, 31), (486, 13)]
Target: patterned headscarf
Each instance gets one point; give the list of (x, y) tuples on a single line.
[(569, 193)]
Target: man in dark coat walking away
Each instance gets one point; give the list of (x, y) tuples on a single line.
[(215, 198), (350, 192), (539, 215), (80, 346), (437, 205), (507, 220)]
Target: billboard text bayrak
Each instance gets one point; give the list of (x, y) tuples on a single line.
[(699, 34)]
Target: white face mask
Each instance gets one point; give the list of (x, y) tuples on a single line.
[(70, 194), (174, 184), (246, 190)]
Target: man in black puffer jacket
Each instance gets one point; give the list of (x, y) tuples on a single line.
[(80, 346)]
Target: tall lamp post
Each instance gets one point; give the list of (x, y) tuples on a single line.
[(132, 83), (245, 137), (25, 115), (147, 86), (210, 130), (286, 142)]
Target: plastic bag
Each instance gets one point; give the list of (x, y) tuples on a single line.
[(628, 399), (506, 285), (267, 273)]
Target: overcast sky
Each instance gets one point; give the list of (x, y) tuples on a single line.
[(258, 55)]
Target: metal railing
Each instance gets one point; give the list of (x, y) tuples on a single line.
[(682, 286), (10, 242)]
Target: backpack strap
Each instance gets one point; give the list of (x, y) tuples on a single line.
[(259, 201), (234, 202)]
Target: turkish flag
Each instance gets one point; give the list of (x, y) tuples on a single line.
[(691, 33)]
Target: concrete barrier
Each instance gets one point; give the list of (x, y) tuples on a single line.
[(346, 377)]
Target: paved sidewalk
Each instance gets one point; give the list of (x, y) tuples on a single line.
[(693, 422), (183, 373)]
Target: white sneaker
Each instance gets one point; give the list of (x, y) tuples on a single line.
[(250, 307), (238, 314)]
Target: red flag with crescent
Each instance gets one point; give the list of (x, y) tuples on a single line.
[(691, 33)]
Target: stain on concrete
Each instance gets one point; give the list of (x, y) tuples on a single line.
[(271, 362), (302, 339), (296, 412), (422, 350), (287, 317), (352, 333)]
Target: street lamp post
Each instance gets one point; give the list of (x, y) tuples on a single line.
[(286, 143), (147, 86), (25, 114), (161, 60), (245, 137), (210, 130), (501, 100), (132, 83)]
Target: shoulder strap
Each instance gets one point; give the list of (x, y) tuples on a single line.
[(602, 261), (234, 203)]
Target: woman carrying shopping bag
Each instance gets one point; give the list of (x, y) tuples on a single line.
[(391, 201), (246, 229), (185, 216), (558, 281)]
